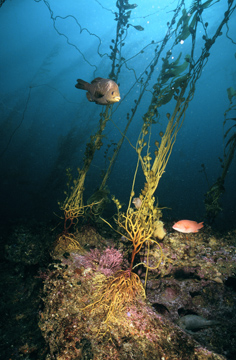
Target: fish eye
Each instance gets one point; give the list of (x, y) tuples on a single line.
[(112, 93)]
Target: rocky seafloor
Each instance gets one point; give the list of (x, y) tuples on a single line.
[(53, 306)]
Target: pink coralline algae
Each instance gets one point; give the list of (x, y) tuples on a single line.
[(107, 262), (110, 261)]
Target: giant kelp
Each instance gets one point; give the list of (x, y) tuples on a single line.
[(214, 194), (176, 82)]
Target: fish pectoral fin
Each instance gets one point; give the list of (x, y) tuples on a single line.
[(89, 97), (98, 95), (186, 227)]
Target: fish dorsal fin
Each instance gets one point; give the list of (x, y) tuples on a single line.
[(96, 80)]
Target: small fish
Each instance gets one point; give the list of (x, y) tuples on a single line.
[(187, 226), (195, 322), (101, 91)]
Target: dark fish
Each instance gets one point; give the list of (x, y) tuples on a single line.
[(195, 322), (101, 91)]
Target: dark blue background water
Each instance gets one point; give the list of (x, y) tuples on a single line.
[(46, 122)]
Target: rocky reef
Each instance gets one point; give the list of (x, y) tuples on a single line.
[(196, 277), (187, 312)]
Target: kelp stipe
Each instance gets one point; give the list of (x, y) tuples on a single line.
[(214, 194)]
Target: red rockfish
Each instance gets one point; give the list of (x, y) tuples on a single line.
[(187, 226)]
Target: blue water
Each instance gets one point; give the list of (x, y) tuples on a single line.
[(46, 122)]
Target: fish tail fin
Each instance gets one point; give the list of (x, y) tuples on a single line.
[(81, 84)]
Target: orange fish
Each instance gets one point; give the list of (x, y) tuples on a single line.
[(187, 226)]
